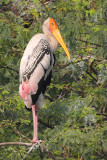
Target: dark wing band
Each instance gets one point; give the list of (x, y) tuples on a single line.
[(37, 55)]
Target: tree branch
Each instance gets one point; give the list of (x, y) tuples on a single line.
[(63, 66), (97, 45), (30, 150), (20, 134), (91, 76), (50, 154), (7, 67), (32, 146), (47, 125), (16, 143)]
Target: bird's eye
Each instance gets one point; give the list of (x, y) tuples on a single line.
[(52, 23)]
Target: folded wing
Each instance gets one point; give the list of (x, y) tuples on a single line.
[(36, 74)]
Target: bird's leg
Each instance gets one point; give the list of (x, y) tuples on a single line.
[(35, 125)]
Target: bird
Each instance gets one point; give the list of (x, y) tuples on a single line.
[(36, 68)]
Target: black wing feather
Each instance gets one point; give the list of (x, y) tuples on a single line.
[(37, 55)]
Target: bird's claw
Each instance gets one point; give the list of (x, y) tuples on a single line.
[(36, 141)]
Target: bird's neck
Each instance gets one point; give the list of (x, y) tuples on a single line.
[(53, 43)]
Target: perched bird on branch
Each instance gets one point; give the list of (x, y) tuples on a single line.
[(36, 68)]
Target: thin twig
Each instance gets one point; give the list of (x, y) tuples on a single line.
[(66, 154), (62, 67), (50, 154), (12, 69), (47, 125), (20, 134), (97, 45), (30, 150), (91, 76), (102, 114)]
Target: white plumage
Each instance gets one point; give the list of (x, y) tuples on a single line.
[(36, 67), (38, 73)]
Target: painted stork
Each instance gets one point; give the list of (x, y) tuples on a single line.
[(36, 68)]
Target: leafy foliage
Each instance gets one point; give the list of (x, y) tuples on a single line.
[(72, 123)]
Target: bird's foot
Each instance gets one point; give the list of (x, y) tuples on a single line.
[(36, 141)]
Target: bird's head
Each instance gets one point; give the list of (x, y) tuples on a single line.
[(50, 27)]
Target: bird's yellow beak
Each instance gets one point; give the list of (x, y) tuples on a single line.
[(59, 38)]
